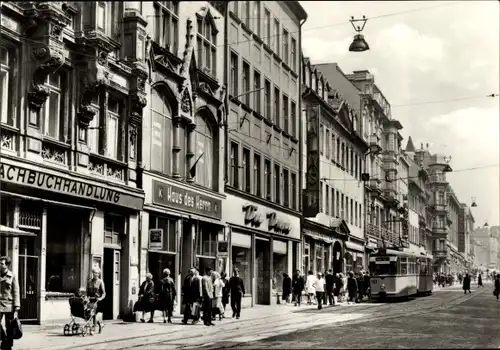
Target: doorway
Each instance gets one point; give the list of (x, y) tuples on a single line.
[(28, 279), (109, 283), (263, 271)]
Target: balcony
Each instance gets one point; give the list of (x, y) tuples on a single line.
[(440, 231), (375, 144), (381, 233), (440, 253), (441, 208), (375, 185), (390, 155), (421, 220), (438, 179)]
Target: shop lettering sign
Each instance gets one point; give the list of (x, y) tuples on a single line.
[(252, 216), (222, 249), (168, 195), (311, 192), (45, 181), (277, 225)]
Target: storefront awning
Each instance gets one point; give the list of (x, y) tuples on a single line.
[(14, 232), (318, 236), (355, 247)]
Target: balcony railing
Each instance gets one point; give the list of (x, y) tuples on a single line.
[(440, 253), (381, 233), (438, 178), (441, 207)]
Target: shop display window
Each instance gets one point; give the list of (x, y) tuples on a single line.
[(242, 261), (168, 227), (157, 262), (280, 266)]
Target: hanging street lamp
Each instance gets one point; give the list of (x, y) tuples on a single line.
[(359, 43), (473, 205), (447, 167)]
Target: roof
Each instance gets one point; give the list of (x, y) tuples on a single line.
[(410, 147), (339, 223), (297, 9)]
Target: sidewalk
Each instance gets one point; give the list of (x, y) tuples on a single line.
[(37, 337)]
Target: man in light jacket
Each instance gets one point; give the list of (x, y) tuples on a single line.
[(208, 293), (9, 301)]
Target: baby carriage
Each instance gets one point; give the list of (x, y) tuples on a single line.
[(85, 309)]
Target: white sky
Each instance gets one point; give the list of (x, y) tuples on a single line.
[(441, 53)]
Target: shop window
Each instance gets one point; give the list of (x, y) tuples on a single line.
[(114, 227), (348, 262), (63, 252), (241, 260), (326, 258), (206, 240), (305, 258), (168, 227), (359, 264), (157, 262), (319, 257), (280, 266)]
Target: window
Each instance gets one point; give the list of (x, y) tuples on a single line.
[(360, 167), (204, 152), (93, 131), (342, 213), (267, 26), (267, 99), (206, 240), (234, 75), (321, 196), (332, 199), (338, 151), (351, 165), (256, 175), (342, 158), (404, 265), (356, 213), (346, 216), (276, 116), (113, 141), (53, 109), (161, 134), (246, 170), (6, 85), (242, 260), (206, 39), (321, 139), (286, 188), (277, 184), (276, 37), (293, 119), (168, 227), (327, 200), (286, 52), (246, 83), (256, 17), (257, 93), (101, 16), (359, 218), (286, 126), (333, 147), (167, 24), (293, 190), (233, 180), (267, 175), (346, 158), (356, 166), (327, 141), (293, 55), (337, 205)]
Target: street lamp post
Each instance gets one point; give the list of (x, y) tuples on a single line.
[(359, 44)]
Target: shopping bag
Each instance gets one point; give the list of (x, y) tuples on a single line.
[(17, 329), (195, 310)]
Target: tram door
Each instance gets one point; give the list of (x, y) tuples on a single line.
[(28, 278)]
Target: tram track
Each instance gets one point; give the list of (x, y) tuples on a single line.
[(271, 319)]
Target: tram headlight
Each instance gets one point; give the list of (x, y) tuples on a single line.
[(382, 287)]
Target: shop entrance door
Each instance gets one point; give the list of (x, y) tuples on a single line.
[(263, 272), (110, 277), (28, 285)]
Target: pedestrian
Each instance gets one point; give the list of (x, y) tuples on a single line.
[(191, 293), (366, 282), (237, 289), (466, 284), (480, 280), (311, 291), (10, 302), (167, 296), (225, 293), (217, 300), (497, 286), (207, 288), (352, 287), (361, 286), (337, 288), (147, 297), (319, 288), (287, 288), (297, 287), (329, 284), (96, 292)]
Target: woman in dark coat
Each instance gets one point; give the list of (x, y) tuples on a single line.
[(352, 287), (147, 297), (497, 286), (480, 280), (167, 296), (225, 292), (466, 283), (297, 287), (287, 288), (338, 287)]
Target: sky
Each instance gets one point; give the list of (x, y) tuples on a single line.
[(444, 51)]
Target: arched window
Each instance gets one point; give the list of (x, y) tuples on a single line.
[(204, 150), (161, 133)]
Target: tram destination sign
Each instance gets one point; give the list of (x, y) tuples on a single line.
[(168, 195)]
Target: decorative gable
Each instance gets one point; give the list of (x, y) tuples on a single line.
[(205, 17)]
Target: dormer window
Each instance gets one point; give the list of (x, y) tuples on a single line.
[(320, 89), (307, 76), (314, 86), (206, 39)]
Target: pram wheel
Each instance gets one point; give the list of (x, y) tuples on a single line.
[(75, 328), (85, 330), (66, 329)]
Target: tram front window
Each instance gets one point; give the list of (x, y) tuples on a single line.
[(386, 269)]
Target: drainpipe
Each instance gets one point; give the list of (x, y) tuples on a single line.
[(301, 134), (226, 97)]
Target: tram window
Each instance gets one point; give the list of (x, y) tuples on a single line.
[(386, 269), (404, 266)]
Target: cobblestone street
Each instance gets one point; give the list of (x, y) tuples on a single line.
[(447, 317)]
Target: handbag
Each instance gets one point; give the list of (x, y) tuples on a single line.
[(195, 310), (17, 329)]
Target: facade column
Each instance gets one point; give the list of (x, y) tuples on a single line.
[(271, 270), (176, 147), (191, 150), (253, 290), (42, 265), (15, 240), (178, 275)]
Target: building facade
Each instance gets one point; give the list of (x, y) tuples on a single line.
[(262, 209), (182, 161), (343, 150), (454, 206), (486, 247), (71, 110), (465, 227)]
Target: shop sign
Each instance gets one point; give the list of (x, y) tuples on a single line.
[(156, 238), (311, 192), (277, 225), (252, 216), (223, 249), (187, 200), (54, 183), (319, 236)]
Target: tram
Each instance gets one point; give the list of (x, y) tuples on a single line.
[(398, 274)]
